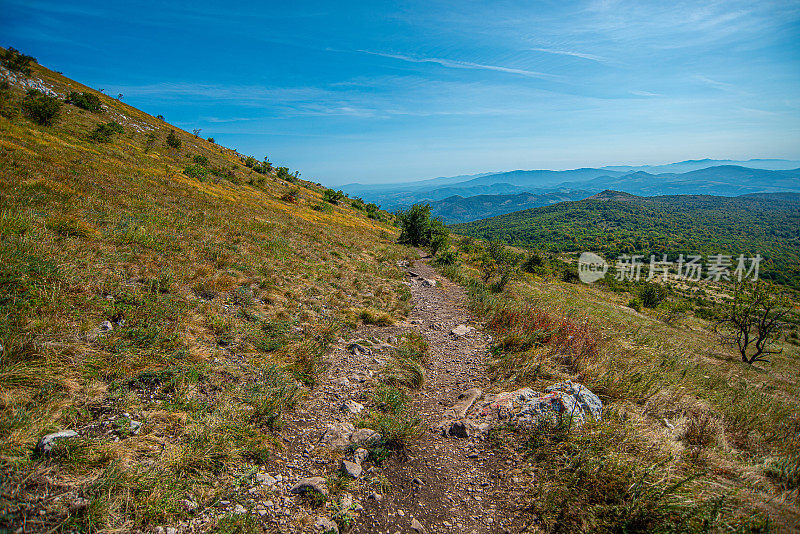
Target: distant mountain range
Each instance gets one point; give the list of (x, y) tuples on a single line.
[(457, 209), (490, 192)]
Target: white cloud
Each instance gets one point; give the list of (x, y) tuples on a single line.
[(453, 64)]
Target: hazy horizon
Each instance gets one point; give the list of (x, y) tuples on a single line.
[(390, 92)]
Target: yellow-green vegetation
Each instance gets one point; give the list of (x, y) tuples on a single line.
[(164, 283), (693, 439)]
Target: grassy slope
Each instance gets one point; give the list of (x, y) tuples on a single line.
[(765, 224), (735, 426), (209, 284)]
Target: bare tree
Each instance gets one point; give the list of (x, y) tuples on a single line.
[(753, 320), (197, 131)]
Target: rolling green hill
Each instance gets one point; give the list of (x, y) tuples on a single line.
[(613, 223)]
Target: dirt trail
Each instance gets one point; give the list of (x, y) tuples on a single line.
[(447, 484)]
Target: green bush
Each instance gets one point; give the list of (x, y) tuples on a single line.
[(651, 294), (635, 304), (41, 108), (16, 61), (200, 160), (84, 100), (173, 141), (195, 171), (283, 174), (323, 207), (332, 196), (211, 140), (103, 133), (446, 257)]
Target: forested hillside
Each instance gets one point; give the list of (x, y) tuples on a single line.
[(616, 223)]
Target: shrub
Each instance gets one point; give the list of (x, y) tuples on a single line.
[(173, 141), (211, 140), (84, 100), (104, 132), (195, 171), (651, 294), (200, 160), (283, 174), (415, 224), (323, 207), (150, 141), (41, 108), (446, 257), (635, 304), (291, 195), (570, 274), (332, 196), (16, 61)]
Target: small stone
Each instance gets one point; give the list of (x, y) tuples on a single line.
[(78, 504), (352, 406), (327, 526), (351, 469), (428, 282), (189, 505), (462, 330), (45, 445), (172, 530), (357, 349), (417, 481), (266, 479), (360, 455), (239, 509), (159, 530), (135, 427), (341, 381), (365, 436), (346, 502), (416, 526), (313, 484), (106, 326), (338, 435), (376, 496)]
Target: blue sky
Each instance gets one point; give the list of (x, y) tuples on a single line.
[(377, 91)]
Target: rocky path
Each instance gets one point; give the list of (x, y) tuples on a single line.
[(455, 487), (438, 484)]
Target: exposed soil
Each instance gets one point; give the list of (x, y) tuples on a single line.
[(447, 484)]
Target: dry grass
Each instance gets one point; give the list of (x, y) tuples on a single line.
[(221, 295), (694, 412)]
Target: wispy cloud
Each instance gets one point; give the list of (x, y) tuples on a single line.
[(590, 57), (644, 93), (722, 86), (454, 64)]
